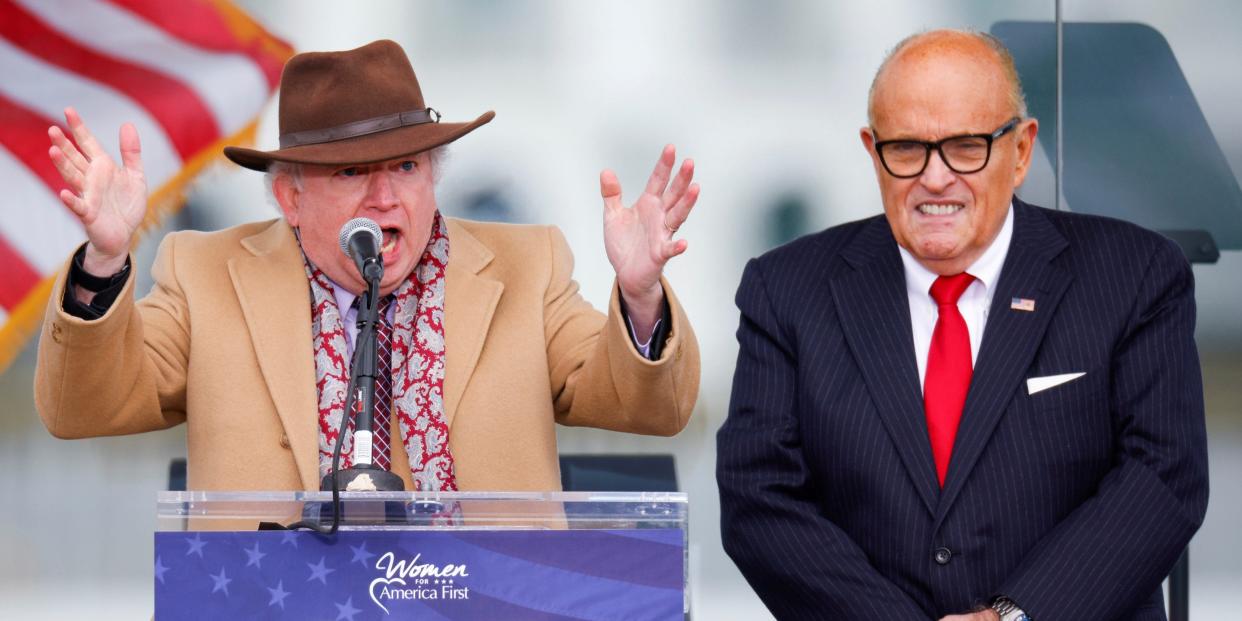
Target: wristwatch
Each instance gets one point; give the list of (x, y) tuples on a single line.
[(91, 282), (1008, 611)]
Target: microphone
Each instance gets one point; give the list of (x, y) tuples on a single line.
[(360, 239)]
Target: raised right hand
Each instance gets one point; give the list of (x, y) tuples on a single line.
[(109, 200)]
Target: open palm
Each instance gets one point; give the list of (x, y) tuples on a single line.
[(639, 239), (109, 200)]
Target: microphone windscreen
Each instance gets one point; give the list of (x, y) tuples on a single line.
[(356, 226)]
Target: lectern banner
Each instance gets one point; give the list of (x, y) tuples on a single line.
[(548, 575)]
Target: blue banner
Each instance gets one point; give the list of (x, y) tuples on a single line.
[(622, 575)]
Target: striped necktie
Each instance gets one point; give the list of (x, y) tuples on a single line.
[(383, 387)]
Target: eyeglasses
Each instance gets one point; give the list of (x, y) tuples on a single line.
[(962, 154)]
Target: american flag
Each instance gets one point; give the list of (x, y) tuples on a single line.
[(191, 75), (1022, 304)]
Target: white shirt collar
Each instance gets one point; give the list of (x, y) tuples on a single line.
[(344, 297), (349, 315), (986, 269)]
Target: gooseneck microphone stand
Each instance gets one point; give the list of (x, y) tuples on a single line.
[(363, 475), (360, 239)]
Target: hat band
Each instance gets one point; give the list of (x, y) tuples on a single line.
[(359, 128)]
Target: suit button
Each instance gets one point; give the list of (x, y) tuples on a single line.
[(284, 440), (56, 333), (942, 556)]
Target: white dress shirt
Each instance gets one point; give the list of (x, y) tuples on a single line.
[(349, 313), (973, 304)]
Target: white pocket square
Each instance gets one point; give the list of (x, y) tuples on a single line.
[(1040, 384)]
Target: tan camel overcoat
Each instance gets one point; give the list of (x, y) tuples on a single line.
[(223, 344)]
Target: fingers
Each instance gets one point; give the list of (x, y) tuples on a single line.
[(70, 173), (610, 190), (75, 204), (66, 146), (671, 249), (663, 168), (677, 215), (680, 183), (83, 136), (131, 148)]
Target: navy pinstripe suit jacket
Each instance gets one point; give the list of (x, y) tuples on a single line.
[(1075, 502)]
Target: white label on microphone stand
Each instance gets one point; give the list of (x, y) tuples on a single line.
[(362, 447)]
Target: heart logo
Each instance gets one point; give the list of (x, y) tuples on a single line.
[(385, 582)]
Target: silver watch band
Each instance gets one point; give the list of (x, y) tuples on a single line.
[(1008, 611)]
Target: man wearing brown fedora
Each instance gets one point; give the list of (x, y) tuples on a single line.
[(246, 335)]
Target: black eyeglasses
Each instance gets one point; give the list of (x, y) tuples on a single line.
[(962, 154)]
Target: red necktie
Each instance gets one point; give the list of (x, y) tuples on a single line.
[(948, 370), (383, 387)]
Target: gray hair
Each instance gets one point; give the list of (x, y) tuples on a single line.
[(437, 156), (1017, 99)]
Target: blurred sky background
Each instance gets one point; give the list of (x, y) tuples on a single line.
[(767, 97)]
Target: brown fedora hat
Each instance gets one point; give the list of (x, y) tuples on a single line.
[(353, 107)]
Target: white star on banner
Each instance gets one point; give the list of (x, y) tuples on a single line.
[(160, 569), (361, 554), (319, 571), (254, 556), (196, 545), (290, 537), (278, 595), (221, 583), (346, 610)]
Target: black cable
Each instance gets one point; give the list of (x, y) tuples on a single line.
[(367, 329)]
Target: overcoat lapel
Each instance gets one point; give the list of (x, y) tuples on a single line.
[(274, 295), (272, 290), (470, 301), (875, 318), (1010, 339)]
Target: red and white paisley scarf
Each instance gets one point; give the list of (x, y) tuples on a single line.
[(417, 364)]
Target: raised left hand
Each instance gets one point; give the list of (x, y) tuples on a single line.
[(639, 239)]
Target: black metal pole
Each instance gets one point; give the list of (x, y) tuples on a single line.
[(1179, 589), (368, 313), (367, 476)]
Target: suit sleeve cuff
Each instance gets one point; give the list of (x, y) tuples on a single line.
[(654, 345), (104, 297)]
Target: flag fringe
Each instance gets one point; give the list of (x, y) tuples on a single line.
[(168, 199), (246, 29), (23, 322)]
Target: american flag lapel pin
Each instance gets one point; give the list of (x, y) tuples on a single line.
[(1022, 304)]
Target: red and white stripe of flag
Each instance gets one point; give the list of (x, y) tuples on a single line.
[(191, 75)]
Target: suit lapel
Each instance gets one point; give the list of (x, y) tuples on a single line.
[(470, 301), (274, 295), (875, 318), (1010, 339)]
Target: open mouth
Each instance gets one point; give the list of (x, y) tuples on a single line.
[(939, 209), (389, 242)]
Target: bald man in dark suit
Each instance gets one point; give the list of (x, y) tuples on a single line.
[(887, 457)]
